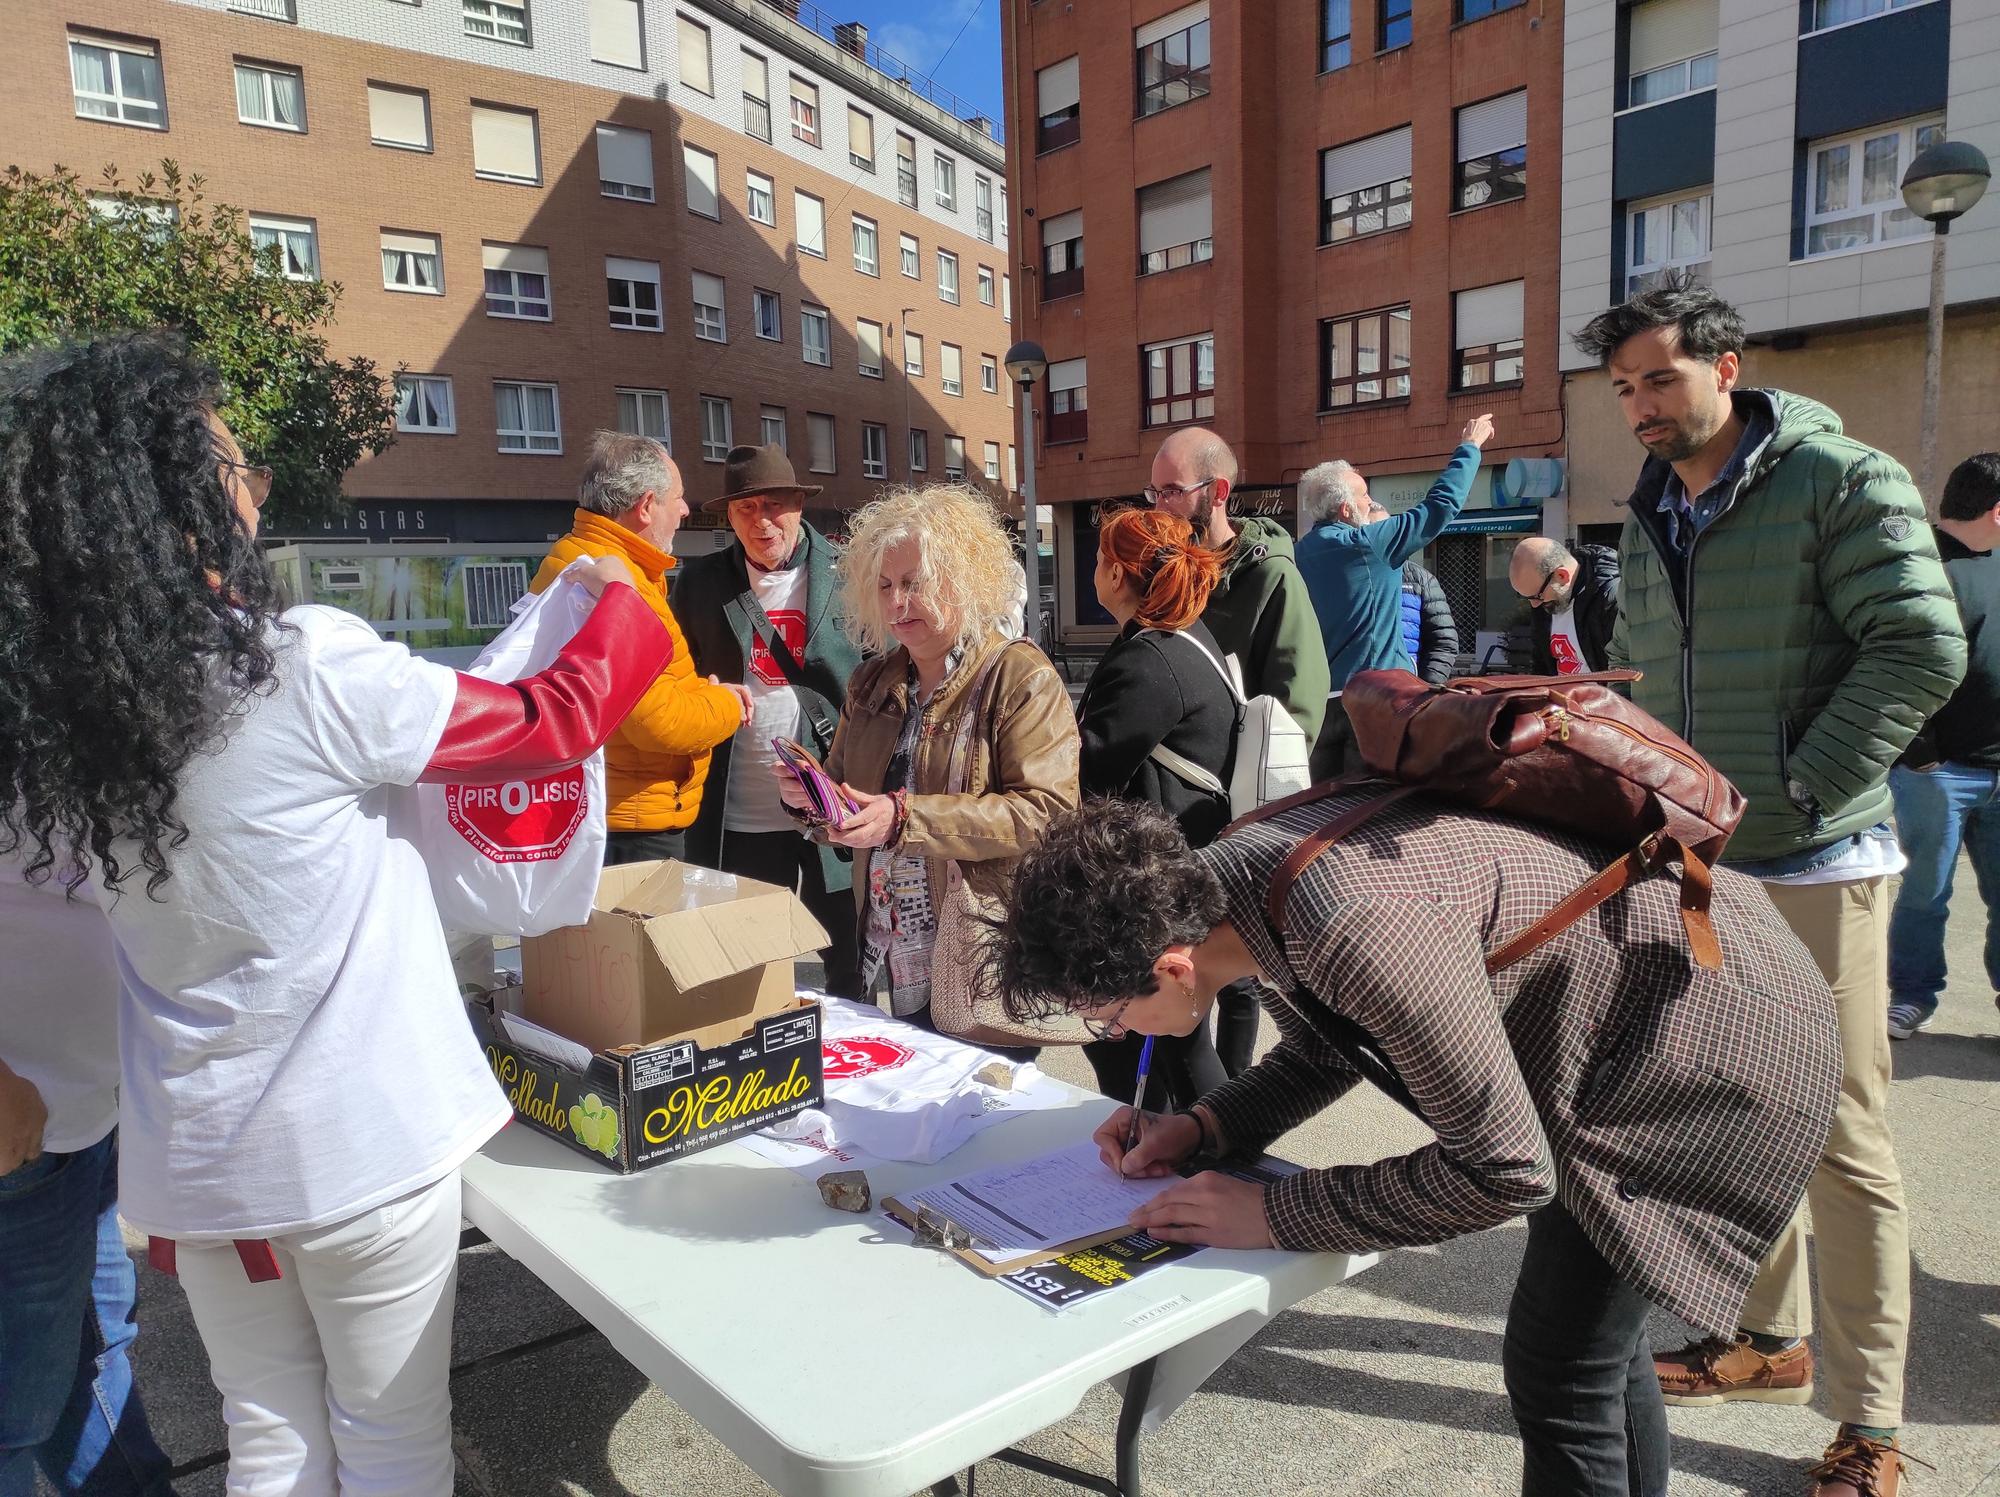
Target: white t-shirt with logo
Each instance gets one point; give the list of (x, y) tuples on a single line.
[(1564, 644), (59, 1006), (753, 804), (294, 1048)]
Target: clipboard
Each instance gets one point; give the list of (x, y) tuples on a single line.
[(907, 1215)]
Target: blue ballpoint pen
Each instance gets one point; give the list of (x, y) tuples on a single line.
[(1139, 1094)]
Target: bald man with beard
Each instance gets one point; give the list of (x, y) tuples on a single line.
[(1573, 599)]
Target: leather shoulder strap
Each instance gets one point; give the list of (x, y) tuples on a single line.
[(1697, 888), (1316, 842)]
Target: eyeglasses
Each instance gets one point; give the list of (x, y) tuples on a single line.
[(256, 478), (1539, 598), (1155, 495), (1108, 1029)]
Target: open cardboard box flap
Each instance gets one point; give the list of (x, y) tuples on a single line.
[(705, 926)]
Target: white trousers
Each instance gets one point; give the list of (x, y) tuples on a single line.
[(335, 1378)]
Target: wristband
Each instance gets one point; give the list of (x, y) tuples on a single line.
[(1206, 1144)]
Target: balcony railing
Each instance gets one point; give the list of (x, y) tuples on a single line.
[(892, 67), (1058, 283), (270, 10)]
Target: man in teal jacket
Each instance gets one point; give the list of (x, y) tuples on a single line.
[(1784, 598)]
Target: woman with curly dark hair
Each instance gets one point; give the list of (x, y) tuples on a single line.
[(297, 1083)]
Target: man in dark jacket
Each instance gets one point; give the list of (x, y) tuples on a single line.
[(1430, 633), (1783, 596), (1573, 596), (764, 611), (1947, 785)]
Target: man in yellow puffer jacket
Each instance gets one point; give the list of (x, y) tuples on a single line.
[(630, 503)]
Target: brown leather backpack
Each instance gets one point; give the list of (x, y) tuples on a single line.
[(1565, 750)]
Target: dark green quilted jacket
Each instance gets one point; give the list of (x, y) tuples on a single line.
[(1807, 637)]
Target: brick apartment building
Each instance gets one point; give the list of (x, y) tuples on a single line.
[(1327, 230), (708, 220)]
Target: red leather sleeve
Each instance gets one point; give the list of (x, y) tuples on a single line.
[(562, 715)]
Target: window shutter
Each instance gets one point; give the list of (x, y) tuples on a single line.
[(1366, 163), (811, 215), (703, 195), (1664, 31), (1056, 86), (860, 134), (1497, 125), (410, 244), (1069, 374), (951, 363), (1175, 212), (695, 71), (821, 458), (707, 289), (756, 77), (870, 334), (614, 33), (1166, 26), (503, 143), (1063, 226), (632, 270), (401, 116), (625, 156), (1488, 314), (515, 257)]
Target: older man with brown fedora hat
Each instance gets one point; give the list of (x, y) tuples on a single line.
[(764, 611)]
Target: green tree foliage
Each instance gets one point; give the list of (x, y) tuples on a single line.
[(77, 261)]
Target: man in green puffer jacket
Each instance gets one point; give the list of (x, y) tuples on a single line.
[(1784, 598)]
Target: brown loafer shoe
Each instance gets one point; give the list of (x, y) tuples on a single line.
[(1719, 1371), (1856, 1466)]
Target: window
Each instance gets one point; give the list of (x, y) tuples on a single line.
[(295, 241), (1179, 379), (809, 217), (768, 315), (874, 450), (697, 69), (954, 458), (912, 261), (412, 262), (1365, 359), (815, 336), (155, 214), (1487, 336), (1674, 79), (1392, 20), (617, 33), (944, 182), (951, 368), (986, 285), (643, 413), (517, 281), (913, 354), (1669, 234), (274, 97), (1062, 255), (1003, 212), (506, 144), (756, 96), (1336, 34), (1069, 402), (526, 417), (992, 455), (1173, 59), (717, 428), (1475, 10), (763, 202), (920, 449), (947, 277), (805, 111), (1365, 187), (1854, 195), (1060, 103), (423, 404), (982, 208), (399, 117), (906, 170), (989, 374), (117, 80), (868, 335), (819, 442), (1176, 223), (1670, 49), (865, 255), (633, 288), (492, 588), (711, 324), (625, 163), (497, 20), (771, 428), (704, 196), (1492, 151), (1013, 478), (860, 138), (1839, 12), (1006, 298)]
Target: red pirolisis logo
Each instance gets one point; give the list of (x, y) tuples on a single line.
[(520, 821), (849, 1058)]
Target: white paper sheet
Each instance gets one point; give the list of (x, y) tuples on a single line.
[(1039, 1203)]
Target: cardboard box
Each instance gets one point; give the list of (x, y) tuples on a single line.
[(669, 950)]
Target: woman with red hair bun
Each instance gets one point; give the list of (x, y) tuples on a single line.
[(1158, 722)]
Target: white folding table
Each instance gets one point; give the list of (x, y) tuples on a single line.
[(832, 1356)]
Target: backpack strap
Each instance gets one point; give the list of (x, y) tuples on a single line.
[(1697, 888), (1318, 841)]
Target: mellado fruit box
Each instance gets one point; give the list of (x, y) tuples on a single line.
[(668, 1022)]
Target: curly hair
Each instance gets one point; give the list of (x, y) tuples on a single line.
[(135, 605), (966, 572), (1110, 886)]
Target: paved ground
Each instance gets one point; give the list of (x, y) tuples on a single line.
[(1390, 1384)]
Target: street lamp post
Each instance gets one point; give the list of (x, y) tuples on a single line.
[(1026, 364), (1943, 182)]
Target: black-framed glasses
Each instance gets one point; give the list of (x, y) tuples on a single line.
[(1108, 1029), (1153, 495), (256, 478), (1540, 598)]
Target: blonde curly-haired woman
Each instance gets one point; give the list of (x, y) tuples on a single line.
[(957, 742)]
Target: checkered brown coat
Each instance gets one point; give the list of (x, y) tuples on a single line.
[(1675, 1112)]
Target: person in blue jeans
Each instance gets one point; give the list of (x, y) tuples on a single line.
[(1947, 786)]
